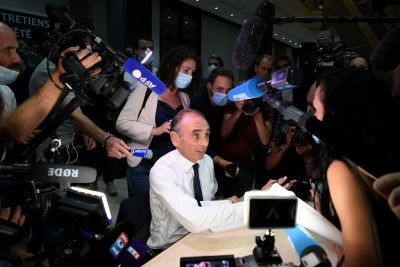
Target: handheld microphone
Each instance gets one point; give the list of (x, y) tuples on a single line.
[(386, 55), (283, 79), (143, 75), (133, 253), (248, 42), (307, 248), (142, 153)]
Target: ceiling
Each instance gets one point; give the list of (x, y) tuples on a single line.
[(294, 34)]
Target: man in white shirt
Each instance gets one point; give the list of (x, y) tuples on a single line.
[(175, 211)]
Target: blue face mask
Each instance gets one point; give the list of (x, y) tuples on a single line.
[(182, 80), (220, 99)]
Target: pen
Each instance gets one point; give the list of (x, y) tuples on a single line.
[(164, 117)]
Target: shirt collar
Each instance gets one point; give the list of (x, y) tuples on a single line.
[(184, 162)]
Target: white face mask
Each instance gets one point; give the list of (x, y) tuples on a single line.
[(211, 68), (220, 99), (7, 76), (182, 80)]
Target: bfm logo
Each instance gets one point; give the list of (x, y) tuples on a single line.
[(119, 244)]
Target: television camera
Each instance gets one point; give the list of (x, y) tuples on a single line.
[(32, 186), (331, 54)]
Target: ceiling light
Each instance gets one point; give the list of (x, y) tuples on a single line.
[(231, 15), (216, 8)]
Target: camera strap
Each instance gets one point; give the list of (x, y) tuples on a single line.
[(146, 96)]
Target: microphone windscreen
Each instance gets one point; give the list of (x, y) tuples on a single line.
[(386, 55), (63, 173), (248, 42), (246, 90), (303, 242), (143, 75), (132, 254)]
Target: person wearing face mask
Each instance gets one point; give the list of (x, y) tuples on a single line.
[(146, 117), (211, 101), (143, 51), (214, 61)]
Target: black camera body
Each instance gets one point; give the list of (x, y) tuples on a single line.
[(250, 105), (331, 54)]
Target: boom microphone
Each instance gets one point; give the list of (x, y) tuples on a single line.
[(248, 42), (307, 248), (63, 173), (386, 55)]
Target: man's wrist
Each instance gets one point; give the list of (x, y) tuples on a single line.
[(106, 138)]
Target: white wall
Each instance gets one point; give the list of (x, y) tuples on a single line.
[(218, 38)]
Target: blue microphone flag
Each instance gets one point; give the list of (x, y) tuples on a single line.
[(144, 76)]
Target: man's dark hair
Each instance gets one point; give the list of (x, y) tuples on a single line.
[(221, 62), (220, 71), (142, 37), (283, 57)]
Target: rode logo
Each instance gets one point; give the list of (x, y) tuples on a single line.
[(60, 172), (138, 75), (118, 245)]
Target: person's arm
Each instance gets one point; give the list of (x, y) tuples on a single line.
[(17, 125), (388, 186), (277, 153), (353, 207), (263, 133), (114, 146), (229, 121)]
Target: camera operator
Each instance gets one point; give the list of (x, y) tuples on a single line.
[(292, 157), (18, 125), (240, 133)]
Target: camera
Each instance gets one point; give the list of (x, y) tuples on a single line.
[(109, 83), (331, 54), (250, 105), (300, 138)]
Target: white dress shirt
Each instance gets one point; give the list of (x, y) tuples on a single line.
[(174, 209)]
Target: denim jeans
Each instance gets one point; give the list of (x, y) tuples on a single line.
[(137, 179)]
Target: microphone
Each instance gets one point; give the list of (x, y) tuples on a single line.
[(142, 153), (143, 75), (120, 247), (64, 173), (386, 55), (133, 253), (57, 13), (283, 79), (307, 248), (248, 42)]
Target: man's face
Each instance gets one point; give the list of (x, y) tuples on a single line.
[(192, 141), (221, 85), (264, 68), (281, 64), (9, 57), (143, 45), (215, 62)]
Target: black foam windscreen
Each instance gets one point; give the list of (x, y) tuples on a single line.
[(386, 55), (248, 42)]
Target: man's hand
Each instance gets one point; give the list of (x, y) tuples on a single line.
[(90, 143), (280, 181), (233, 199), (117, 148), (16, 217)]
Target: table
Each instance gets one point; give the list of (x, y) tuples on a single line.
[(239, 242)]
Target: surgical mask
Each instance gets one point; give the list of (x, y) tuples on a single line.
[(7, 76), (220, 99), (182, 80), (211, 68)]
